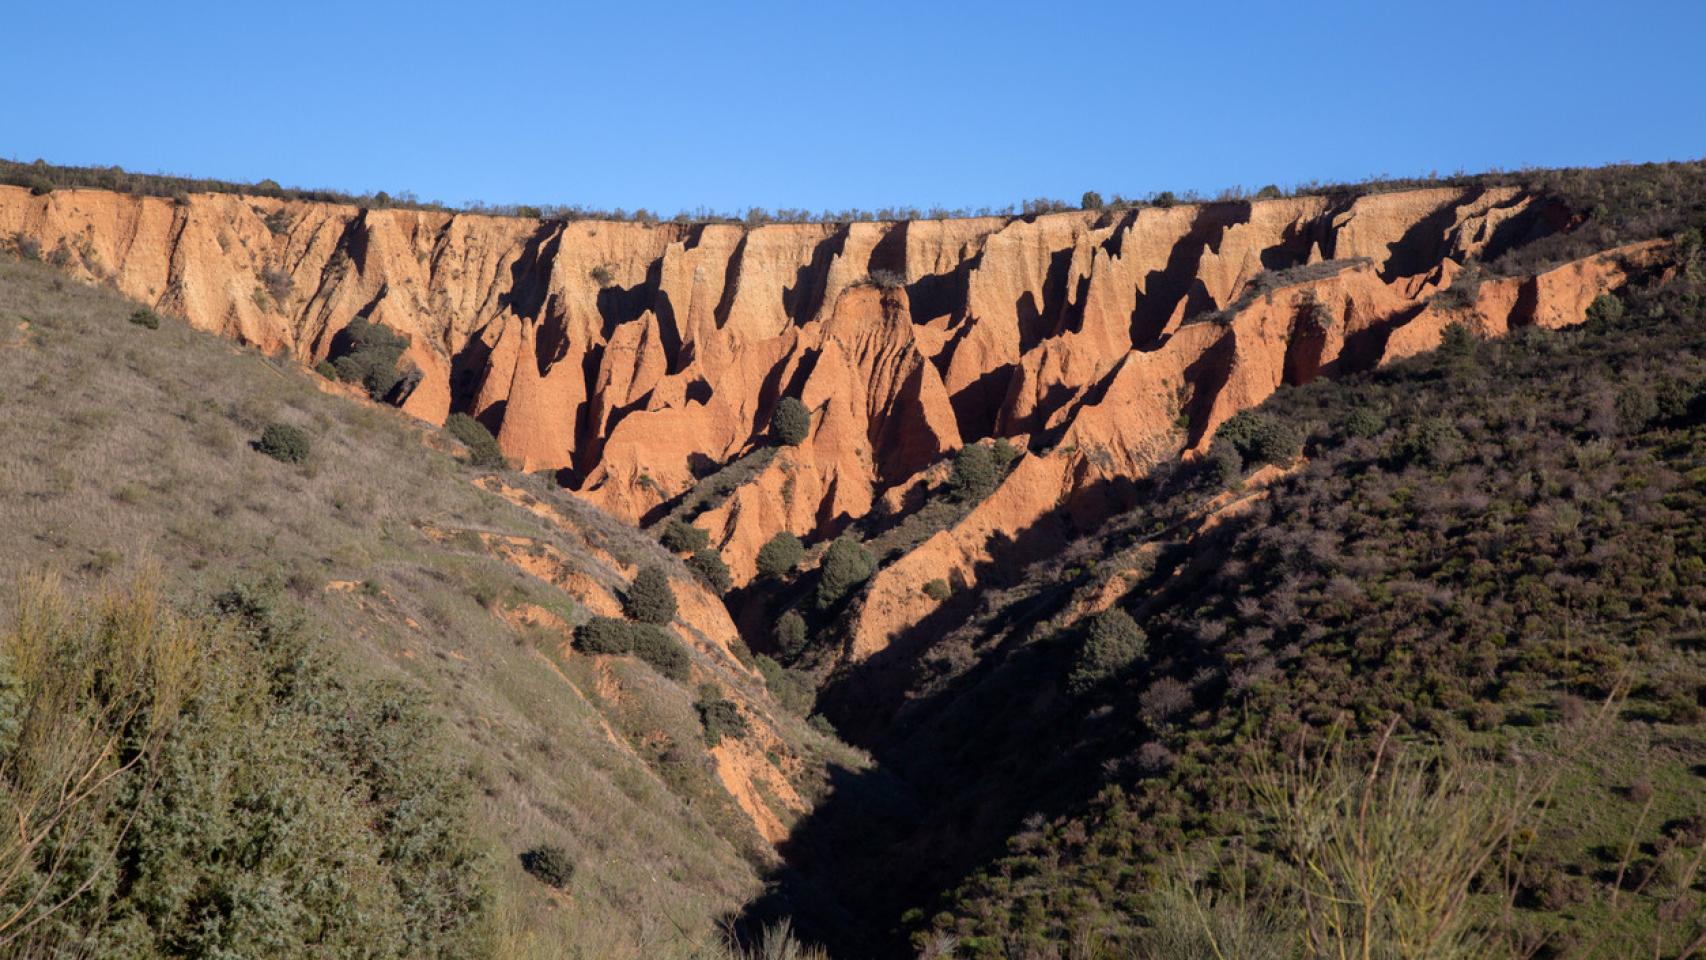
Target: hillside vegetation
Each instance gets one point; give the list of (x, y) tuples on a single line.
[(1292, 578), (133, 447), (1494, 554)]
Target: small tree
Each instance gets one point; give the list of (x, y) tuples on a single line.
[(550, 865), (1090, 201), (791, 635), (683, 537), (649, 599), (1112, 644), (781, 555), (975, 473), (483, 450), (709, 565), (846, 565), (791, 423), (370, 356), (284, 443)]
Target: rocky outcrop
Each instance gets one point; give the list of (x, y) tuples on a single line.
[(635, 359)]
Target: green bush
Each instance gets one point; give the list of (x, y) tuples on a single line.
[(650, 599), (264, 803), (1260, 438), (550, 865), (144, 317), (284, 443), (483, 450), (605, 635), (1090, 201), (370, 356), (658, 647), (846, 565), (709, 565), (791, 635), (938, 589), (789, 688), (720, 716), (791, 423), (653, 644), (325, 369), (781, 555), (1112, 644), (975, 473), (1363, 423), (1605, 308), (1434, 442), (683, 537)]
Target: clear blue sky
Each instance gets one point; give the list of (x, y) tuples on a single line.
[(833, 104)]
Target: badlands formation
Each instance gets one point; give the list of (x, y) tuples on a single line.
[(636, 359)]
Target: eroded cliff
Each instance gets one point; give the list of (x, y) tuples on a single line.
[(636, 359)]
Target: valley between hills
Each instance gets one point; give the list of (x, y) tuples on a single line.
[(1023, 586)]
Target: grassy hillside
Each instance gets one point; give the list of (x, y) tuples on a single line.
[(128, 444), (1471, 551)]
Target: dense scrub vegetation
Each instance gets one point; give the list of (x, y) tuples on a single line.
[(208, 784), (1481, 545), (1469, 553)]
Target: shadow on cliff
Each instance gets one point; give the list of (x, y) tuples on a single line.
[(961, 759)]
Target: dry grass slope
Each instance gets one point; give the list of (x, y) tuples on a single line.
[(123, 446)]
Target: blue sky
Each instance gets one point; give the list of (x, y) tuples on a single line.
[(834, 104)]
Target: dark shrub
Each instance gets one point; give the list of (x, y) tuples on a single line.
[(791, 423), (1165, 699), (1259, 438), (709, 565), (483, 450), (721, 717), (325, 369), (1224, 463), (1605, 309), (605, 635), (1091, 200), (781, 555), (1268, 192), (658, 647), (791, 635), (683, 537), (145, 317), (650, 599), (1434, 442), (1164, 199), (284, 443), (1363, 423), (550, 865), (885, 280), (370, 356), (39, 186), (938, 589), (1112, 644), (974, 475), (846, 565)]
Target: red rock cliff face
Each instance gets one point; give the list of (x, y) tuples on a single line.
[(634, 358)]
